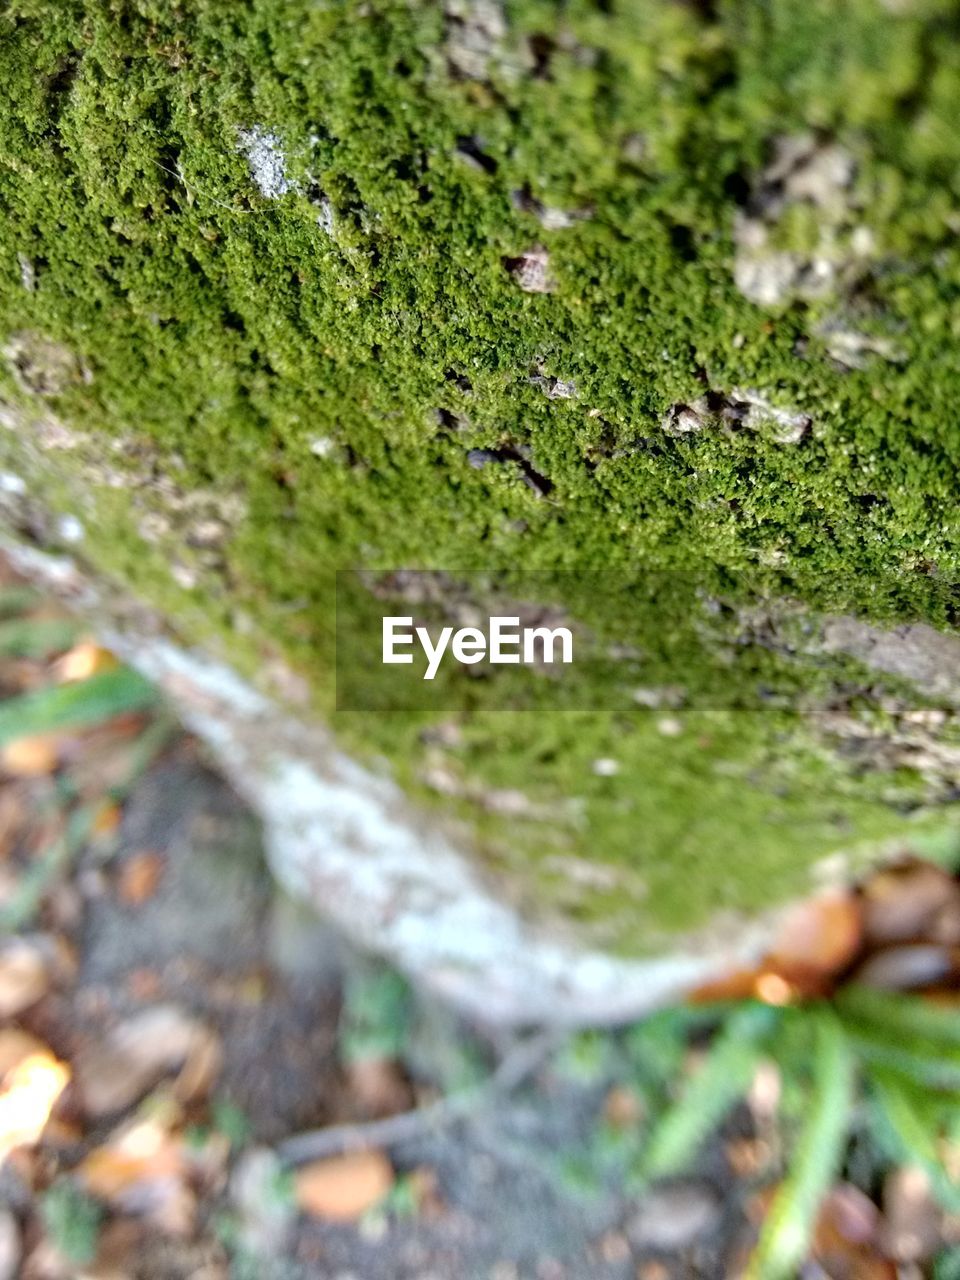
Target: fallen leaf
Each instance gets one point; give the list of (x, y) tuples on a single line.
[(911, 1229), (820, 935), (343, 1188), (120, 1250), (913, 902), (106, 820), (738, 985), (83, 661), (136, 1154), (33, 757), (31, 1081), (139, 1052), (139, 877), (906, 968), (201, 1067), (144, 1169), (13, 816), (846, 1239), (24, 976), (378, 1086)]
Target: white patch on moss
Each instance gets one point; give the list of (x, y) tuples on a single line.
[(69, 530), (268, 164), (803, 171), (737, 410)]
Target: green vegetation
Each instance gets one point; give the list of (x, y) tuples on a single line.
[(61, 708), (276, 272), (73, 1221), (870, 1067)]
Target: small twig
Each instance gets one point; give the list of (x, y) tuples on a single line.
[(516, 1066)]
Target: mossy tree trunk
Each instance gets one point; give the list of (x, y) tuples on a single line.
[(641, 287)]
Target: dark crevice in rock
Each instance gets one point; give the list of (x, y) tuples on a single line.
[(471, 150), (520, 457)]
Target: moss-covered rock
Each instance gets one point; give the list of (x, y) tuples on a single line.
[(287, 288)]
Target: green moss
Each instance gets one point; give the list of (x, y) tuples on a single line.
[(226, 331)]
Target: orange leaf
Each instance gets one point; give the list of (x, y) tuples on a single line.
[(822, 935), (139, 877), (140, 1156), (106, 820), (739, 985), (33, 757), (343, 1188)]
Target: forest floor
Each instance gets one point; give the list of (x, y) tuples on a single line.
[(199, 1079)]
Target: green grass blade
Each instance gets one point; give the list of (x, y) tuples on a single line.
[(897, 1016), (788, 1229), (924, 1063), (707, 1097), (16, 599), (37, 637), (907, 1125), (76, 705)]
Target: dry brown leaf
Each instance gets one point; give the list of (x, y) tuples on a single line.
[(143, 1170), (84, 660), (32, 757), (138, 1153), (907, 968), (201, 1068), (139, 1052), (106, 820), (139, 877), (915, 901), (913, 1219), (119, 1250), (847, 1237), (24, 976), (378, 1087), (13, 815), (739, 985), (821, 935), (343, 1188)]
